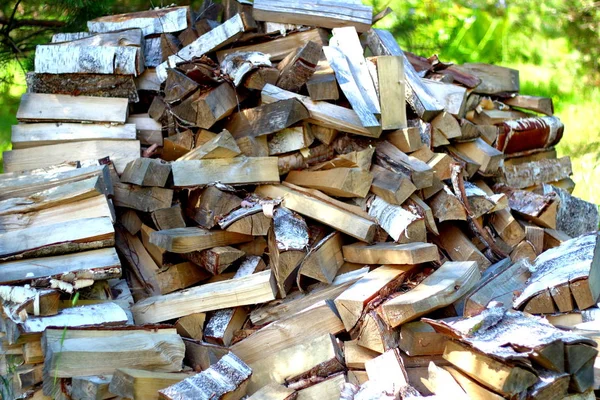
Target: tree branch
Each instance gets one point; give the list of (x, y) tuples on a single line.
[(17, 23)]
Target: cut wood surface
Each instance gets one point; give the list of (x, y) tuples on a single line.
[(324, 259), (137, 383), (323, 13), (446, 285), (239, 170), (96, 85), (40, 107), (340, 182), (185, 240), (403, 224), (390, 253), (146, 199), (255, 288), (119, 151), (315, 205), (390, 75), (537, 172)]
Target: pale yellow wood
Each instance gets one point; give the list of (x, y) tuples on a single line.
[(328, 389), (141, 384), (485, 155), (459, 247), (356, 355), (324, 259), (390, 74), (390, 253), (340, 182), (473, 389), (419, 339), (120, 152), (273, 392), (43, 134), (221, 146), (239, 170), (184, 240), (252, 289)]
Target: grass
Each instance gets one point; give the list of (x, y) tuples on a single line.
[(9, 103)]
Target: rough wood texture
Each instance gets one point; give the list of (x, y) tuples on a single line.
[(314, 204), (322, 13), (36, 107), (146, 172), (420, 339), (494, 79), (534, 103), (96, 85), (446, 285), (256, 288), (459, 247), (137, 383), (297, 68), (390, 75), (483, 154), (537, 172), (324, 259), (340, 182), (390, 253), (146, 199), (239, 170), (390, 157)]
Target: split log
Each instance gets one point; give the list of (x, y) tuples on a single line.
[(205, 107), (43, 134), (318, 357), (322, 113), (40, 107), (328, 389), (97, 85), (227, 379), (221, 327), (406, 139), (390, 76), (140, 384), (447, 125), (68, 237), (290, 139), (393, 187), (279, 48), (237, 65), (496, 117), (459, 247), (90, 387), (387, 372), (384, 279), (390, 157), (446, 285), (340, 182), (288, 242), (151, 22), (274, 392), (148, 131), (494, 79), (356, 356), (266, 119), (533, 103), (446, 206), (418, 95), (536, 172), (239, 170), (390, 253), (471, 387), (215, 260), (344, 74), (488, 158), (322, 85), (313, 204), (221, 146), (552, 269), (403, 223), (326, 14), (375, 335), (539, 209), (420, 339), (146, 199), (324, 259), (257, 79), (297, 68), (212, 40), (118, 53), (207, 206), (256, 288), (146, 172), (292, 330), (185, 240), (452, 97), (119, 151), (574, 217), (247, 221), (498, 287), (168, 218)]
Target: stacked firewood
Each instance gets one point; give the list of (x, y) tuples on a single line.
[(273, 200)]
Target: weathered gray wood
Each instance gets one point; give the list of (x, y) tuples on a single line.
[(418, 95), (93, 387), (252, 289), (43, 134), (146, 199), (322, 13), (37, 107), (297, 68), (222, 35), (452, 97), (575, 216), (494, 79), (150, 22), (146, 172)]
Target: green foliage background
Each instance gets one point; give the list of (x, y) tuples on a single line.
[(554, 43)]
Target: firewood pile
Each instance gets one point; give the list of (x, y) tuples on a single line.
[(274, 201)]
